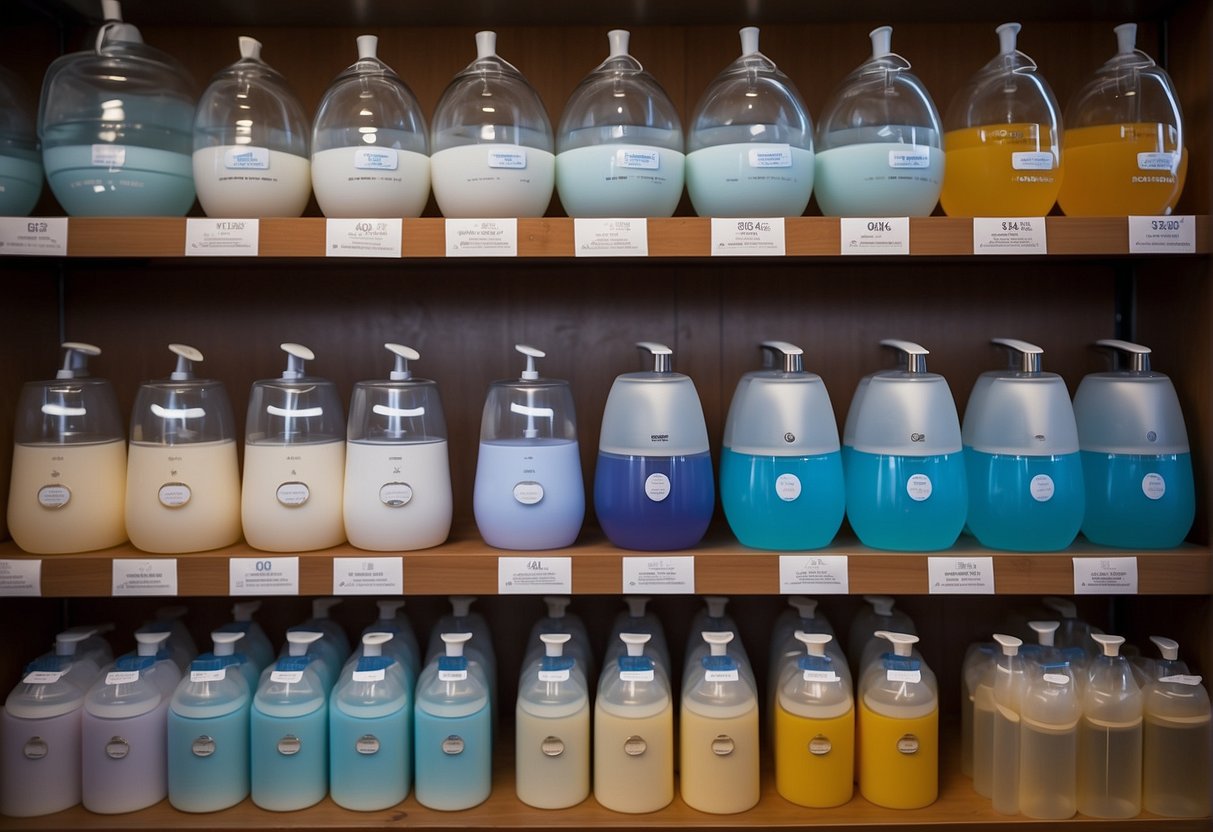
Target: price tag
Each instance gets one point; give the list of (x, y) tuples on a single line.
[(20, 578), (272, 575), (875, 235), (960, 576), (747, 237), (209, 237), (534, 576), (1009, 235), (814, 575), (33, 236), (131, 576), (482, 238), (1162, 235), (368, 576), (1105, 576), (610, 237), (362, 238), (673, 575), (208, 675)]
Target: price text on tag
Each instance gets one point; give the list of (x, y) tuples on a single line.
[(748, 237), (1162, 235), (875, 235), (1009, 235), (33, 236)]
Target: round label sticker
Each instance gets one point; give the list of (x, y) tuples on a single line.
[(203, 746), (174, 494), (528, 493), (552, 746), (1154, 486), (292, 494), (117, 748), (452, 745), (35, 748), (1041, 488), (787, 486), (657, 487), (723, 745), (820, 745), (54, 496), (367, 744), (634, 746), (908, 744), (918, 487), (395, 494), (289, 745)]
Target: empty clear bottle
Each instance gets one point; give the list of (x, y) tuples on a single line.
[(1110, 737)]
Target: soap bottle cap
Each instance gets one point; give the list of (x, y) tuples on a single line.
[(75, 359), (1010, 644), (815, 643), (296, 354), (224, 642), (553, 643), (400, 370), (372, 643), (662, 355), (1168, 648), (454, 643), (1045, 631), (789, 355), (1109, 644), (635, 642), (298, 641), (186, 358)]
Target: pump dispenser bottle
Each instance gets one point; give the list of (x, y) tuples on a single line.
[(164, 672), (478, 651), (1110, 736), (333, 648), (636, 618), (560, 620), (867, 646), (1008, 699), (552, 729), (1176, 743), (975, 671), (787, 649), (403, 647), (256, 645), (1048, 739)]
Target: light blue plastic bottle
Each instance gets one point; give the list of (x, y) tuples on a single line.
[(1021, 452), (370, 731), (781, 467), (903, 460), (208, 731), (288, 736), (454, 740), (256, 646), (1137, 464)]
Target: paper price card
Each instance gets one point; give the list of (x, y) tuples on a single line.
[(960, 576), (534, 576), (747, 237), (610, 237), (35, 236), (133, 576), (208, 237), (1162, 235), (813, 575), (1105, 576), (482, 238), (271, 575), (20, 577), (368, 576), (362, 238), (875, 235), (1009, 235), (673, 575)]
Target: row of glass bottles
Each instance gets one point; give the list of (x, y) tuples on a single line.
[(1117, 465), (112, 148)]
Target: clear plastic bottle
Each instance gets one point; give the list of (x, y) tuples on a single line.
[(976, 667), (1110, 737), (560, 620), (787, 649), (333, 648), (637, 618), (552, 729), (864, 645), (1176, 742), (1048, 741), (403, 647), (256, 645), (20, 154), (1008, 700), (750, 146)]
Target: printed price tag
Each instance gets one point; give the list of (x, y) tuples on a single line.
[(208, 675), (1105, 576), (33, 236), (813, 575), (286, 677), (1009, 235), (122, 677), (960, 576), (273, 575), (362, 238), (368, 576), (610, 237), (534, 576), (482, 238), (671, 575), (1162, 235), (131, 576), (369, 675), (20, 578), (747, 237), (875, 235), (209, 237), (903, 675), (553, 675)]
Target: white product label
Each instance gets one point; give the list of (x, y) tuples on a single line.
[(770, 156), (109, 155), (363, 237), (293, 494), (452, 745), (553, 675), (1105, 576), (206, 237), (452, 675), (720, 676), (610, 237), (910, 157), (960, 576), (246, 158), (54, 496), (904, 675), (395, 494), (814, 574), (1154, 486), (659, 575), (1041, 488), (1031, 160), (20, 578), (1056, 679), (1158, 161), (368, 576), (657, 487), (918, 486), (512, 159), (174, 494), (535, 576), (1181, 680), (42, 677), (1162, 235), (286, 677), (122, 677), (638, 159), (820, 676), (748, 237), (481, 238), (208, 675), (33, 236), (1009, 235), (369, 675), (636, 675), (528, 493), (874, 235), (277, 575), (130, 576), (787, 486), (376, 158), (367, 744)]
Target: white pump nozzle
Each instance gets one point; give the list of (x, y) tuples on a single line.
[(114, 28), (400, 371), (372, 643), (486, 45), (531, 353), (915, 354), (1028, 355), (296, 354), (67, 641), (557, 605), (903, 643), (715, 605), (718, 643), (662, 355), (243, 611), (636, 605), (882, 604), (111, 10), (75, 359), (1062, 606), (321, 606), (461, 605), (1168, 647), (618, 39), (815, 643), (454, 642), (367, 45), (1007, 35), (298, 641), (553, 643), (882, 41), (224, 643), (1110, 644), (389, 608), (1139, 356), (1126, 38), (805, 607), (1010, 644), (635, 642), (749, 40), (250, 49), (148, 644), (187, 356), (1045, 631)]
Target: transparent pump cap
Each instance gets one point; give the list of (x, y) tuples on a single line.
[(657, 402), (71, 409), (529, 407), (295, 408), (399, 410), (182, 409), (1007, 90), (784, 411)]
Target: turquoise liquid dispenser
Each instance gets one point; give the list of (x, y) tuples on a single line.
[(1137, 464), (1021, 454), (902, 457), (479, 651), (781, 468), (403, 645)]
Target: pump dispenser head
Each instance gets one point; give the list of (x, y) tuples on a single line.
[(1167, 648), (662, 355), (297, 354), (882, 41), (1136, 355), (531, 353), (372, 643), (148, 644), (903, 643), (298, 641), (1007, 33), (186, 358), (1024, 356), (455, 642), (635, 642), (224, 642), (913, 356), (553, 643), (1010, 644), (718, 643), (1109, 644), (790, 356), (389, 608), (75, 359), (1045, 631), (67, 641), (243, 610), (403, 354), (815, 643)]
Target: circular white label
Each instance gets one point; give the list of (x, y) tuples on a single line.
[(1153, 486), (528, 493), (452, 745), (552, 746), (293, 494), (174, 494), (203, 746), (918, 487), (117, 748), (395, 494), (1041, 488), (820, 746), (787, 486), (908, 744), (35, 748), (723, 745), (289, 745), (634, 746), (54, 496), (657, 487), (367, 745)]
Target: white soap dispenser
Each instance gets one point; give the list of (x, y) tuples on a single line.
[(1009, 680), (552, 729)]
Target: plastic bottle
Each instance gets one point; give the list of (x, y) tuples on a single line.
[(333, 649), (1048, 741), (208, 731), (1176, 742), (635, 618), (899, 731), (560, 620), (865, 646), (454, 747), (1110, 737), (256, 645), (787, 650), (370, 732), (180, 644), (815, 728), (978, 661), (634, 733), (288, 730), (163, 671), (403, 646), (479, 651), (20, 156), (781, 466), (552, 729), (712, 617), (1008, 700), (1072, 631)]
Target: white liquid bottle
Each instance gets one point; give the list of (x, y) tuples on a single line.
[(1176, 744), (69, 462), (182, 478), (552, 729), (397, 472), (1048, 739), (294, 461), (1110, 736), (1008, 698)]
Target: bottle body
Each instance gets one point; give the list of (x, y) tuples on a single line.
[(748, 179), (289, 759), (370, 758), (182, 498), (1175, 766), (906, 503), (782, 502), (633, 759), (1001, 170), (718, 758), (1138, 500), (653, 502), (125, 766), (814, 758), (453, 759), (614, 179), (879, 179), (1122, 169), (291, 499), (41, 764), (208, 760), (1109, 767), (898, 758), (397, 497), (1048, 766), (246, 181), (1024, 503), (493, 180), (529, 493), (1005, 769), (983, 740), (379, 181), (552, 757)]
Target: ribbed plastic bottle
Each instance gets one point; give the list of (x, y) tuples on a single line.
[(552, 729), (1110, 736), (1048, 740), (1009, 681), (1176, 743)]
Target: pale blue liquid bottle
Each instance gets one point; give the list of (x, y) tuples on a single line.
[(1024, 503)]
